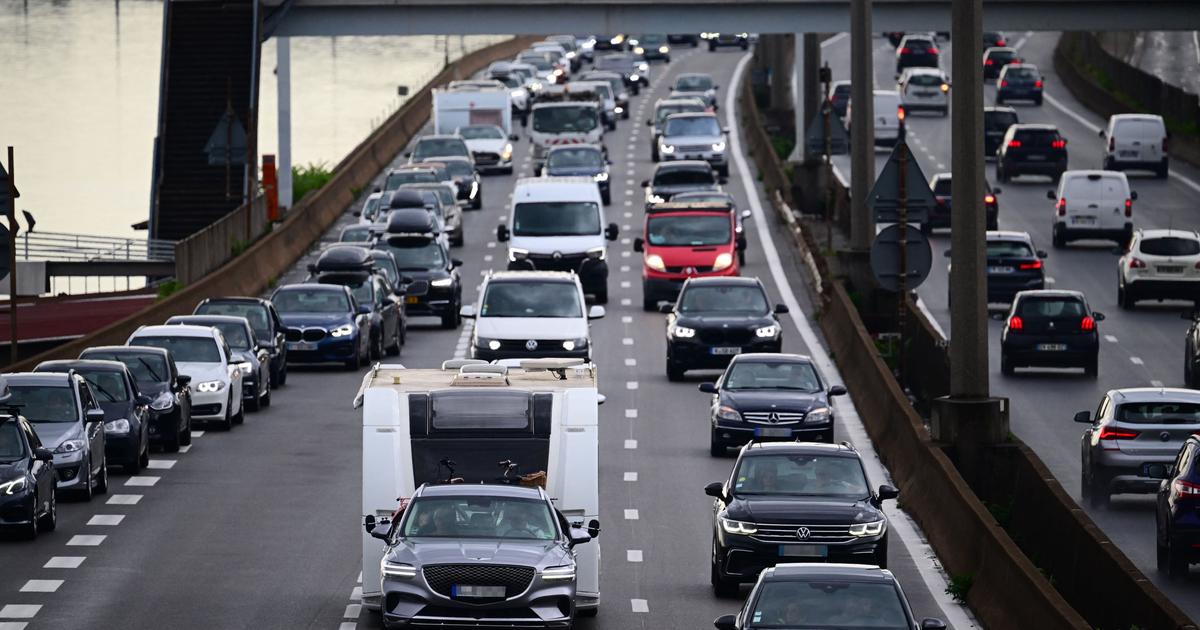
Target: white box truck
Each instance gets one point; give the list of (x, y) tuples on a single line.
[(472, 103)]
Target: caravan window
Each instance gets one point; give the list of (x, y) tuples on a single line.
[(480, 410)]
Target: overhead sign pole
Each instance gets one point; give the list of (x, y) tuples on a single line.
[(11, 211), (902, 301)]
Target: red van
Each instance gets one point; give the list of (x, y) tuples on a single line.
[(686, 240)]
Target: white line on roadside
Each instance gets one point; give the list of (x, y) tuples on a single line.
[(161, 464), (41, 586), (106, 519), (356, 594), (625, 269), (487, 258), (639, 605), (1110, 339), (64, 562)]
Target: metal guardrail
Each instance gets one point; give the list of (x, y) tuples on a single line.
[(61, 246)]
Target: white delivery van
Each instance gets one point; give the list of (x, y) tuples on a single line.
[(423, 427), (1093, 204), (472, 104), (889, 117), (1135, 141), (557, 224)]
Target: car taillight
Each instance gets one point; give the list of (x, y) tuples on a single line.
[(1112, 144), (1004, 83), (1015, 323), (1058, 144), (1014, 144), (1061, 207), (1184, 490), (987, 62), (1136, 263), (1164, 146), (1000, 43), (932, 51), (900, 113), (905, 50), (1037, 84), (989, 199), (1087, 324), (1029, 266), (1109, 433), (1128, 207)]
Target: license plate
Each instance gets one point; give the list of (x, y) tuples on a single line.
[(695, 157), (1170, 269), (1051, 347), (1035, 158), (772, 432), (1000, 270), (804, 551), (301, 345), (1127, 154), (411, 299), (925, 93), (459, 590), (725, 351), (1083, 220)]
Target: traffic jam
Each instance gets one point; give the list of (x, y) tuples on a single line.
[(587, 179)]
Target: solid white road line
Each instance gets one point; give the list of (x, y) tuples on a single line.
[(922, 555), (64, 562)]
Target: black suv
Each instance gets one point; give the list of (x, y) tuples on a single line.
[(1177, 514), (1031, 150), (826, 596), (268, 328), (424, 258), (763, 397), (795, 502), (716, 318), (1050, 328), (940, 216), (1013, 265), (996, 121), (916, 52), (28, 497)]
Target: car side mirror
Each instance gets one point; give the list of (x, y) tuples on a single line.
[(639, 244), (143, 399), (416, 288), (1156, 471), (612, 231), (502, 233), (363, 309), (183, 380), (1041, 253), (746, 214), (377, 528), (1100, 133), (781, 309), (312, 267), (1051, 195), (1098, 316), (1133, 195), (997, 191), (43, 454), (708, 388), (467, 311), (932, 623), (357, 213), (94, 415), (579, 536), (947, 254), (726, 622), (645, 183), (408, 154), (665, 307), (837, 390), (649, 123), (455, 263), (722, 180), (715, 490), (1083, 417), (595, 312), (593, 528), (886, 493), (513, 137)]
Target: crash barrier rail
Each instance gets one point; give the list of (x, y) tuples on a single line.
[(257, 268), (225, 238), (1093, 584), (758, 142), (1077, 52)]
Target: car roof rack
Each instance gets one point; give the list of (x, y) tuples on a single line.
[(693, 206)]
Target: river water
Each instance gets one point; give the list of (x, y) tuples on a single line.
[(79, 102)]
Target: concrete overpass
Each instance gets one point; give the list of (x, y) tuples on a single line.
[(298, 18)]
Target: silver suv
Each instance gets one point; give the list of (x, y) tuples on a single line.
[(1131, 427), (494, 555), (697, 136)]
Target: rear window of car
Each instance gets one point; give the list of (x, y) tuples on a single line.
[(925, 80), (918, 45), (941, 186), (1045, 307), (1001, 55), (999, 121), (1139, 128), (1036, 137), (1008, 249), (1170, 246), (1159, 413), (1020, 73)]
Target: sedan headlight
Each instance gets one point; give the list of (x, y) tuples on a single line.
[(515, 254), (12, 487), (644, 67), (616, 41), (506, 154), (561, 572), (666, 148), (208, 387), (820, 415), (682, 332), (245, 367), (655, 199), (767, 331), (718, 147), (639, 51), (70, 446), (727, 413), (601, 177), (664, 50), (723, 261), (442, 282), (873, 528), (575, 344), (618, 109), (633, 77), (597, 253), (490, 344), (738, 527), (655, 262), (342, 331), (397, 569), (163, 402), (120, 426)]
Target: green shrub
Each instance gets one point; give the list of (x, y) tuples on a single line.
[(959, 586), (167, 288), (308, 178)]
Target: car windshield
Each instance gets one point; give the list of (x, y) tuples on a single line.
[(772, 375), (723, 299), (801, 475), (371, 206), (458, 168), (45, 403), (387, 264), (361, 289), (714, 197), (1159, 413), (692, 126), (575, 158), (1020, 73), (355, 234), (925, 80), (146, 368), (415, 254), (395, 179), (693, 83), (1050, 307), (828, 604), (1009, 249), (433, 147), (235, 335), (12, 447), (688, 230), (108, 386), (184, 349), (565, 119), (256, 314), (531, 299), (666, 110), (1170, 246), (479, 517), (310, 301), (482, 132), (684, 176), (556, 218)]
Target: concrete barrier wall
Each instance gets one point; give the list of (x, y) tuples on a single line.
[(262, 263), (774, 178), (197, 255)]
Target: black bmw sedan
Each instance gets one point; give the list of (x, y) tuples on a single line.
[(766, 396)]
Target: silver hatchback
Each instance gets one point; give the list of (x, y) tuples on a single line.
[(1131, 427)]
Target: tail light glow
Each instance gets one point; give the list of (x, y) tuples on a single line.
[(1030, 266), (1037, 84), (1004, 83), (1112, 144), (1184, 490), (1061, 207), (1109, 433), (1015, 323), (1087, 324), (1128, 207), (1164, 146), (1136, 263), (989, 199), (905, 50), (1058, 144), (932, 50), (988, 62), (900, 113), (1014, 144)]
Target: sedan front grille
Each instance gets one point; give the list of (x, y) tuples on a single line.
[(694, 148), (696, 269), (314, 334), (725, 336), (564, 262), (442, 578), (293, 334), (773, 417), (823, 534), (485, 158)]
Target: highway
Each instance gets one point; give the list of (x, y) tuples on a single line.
[(260, 527), (1143, 347)]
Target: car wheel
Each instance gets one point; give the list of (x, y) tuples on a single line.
[(85, 468), (722, 586), (1059, 240), (185, 437), (227, 423), (102, 482), (1085, 484), (1006, 366), (993, 224), (1093, 367), (376, 349), (648, 303), (254, 403), (881, 559), (354, 362), (1098, 494), (1162, 171), (715, 448), (240, 416), (712, 47), (999, 100), (134, 467), (266, 398), (1177, 564), (30, 531), (171, 439), (451, 319), (674, 372), (654, 154), (745, 45), (1124, 300), (606, 198), (394, 348), (49, 521)]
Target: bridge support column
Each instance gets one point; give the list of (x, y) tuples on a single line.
[(283, 72), (862, 124)]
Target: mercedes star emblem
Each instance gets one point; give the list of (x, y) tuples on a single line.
[(531, 345), (773, 418), (803, 533)]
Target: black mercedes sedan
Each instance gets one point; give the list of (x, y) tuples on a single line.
[(717, 318), (795, 502), (766, 396), (157, 377)]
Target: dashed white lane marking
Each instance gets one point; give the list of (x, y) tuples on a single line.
[(627, 341), (627, 319), (631, 413), (356, 594), (1136, 361), (41, 586), (487, 258), (631, 515), (626, 240), (352, 611), (631, 476), (142, 480), (196, 434), (161, 464), (348, 625), (630, 444), (1110, 339), (1156, 383), (626, 254), (64, 562), (624, 268), (633, 555), (13, 625), (631, 384), (110, 520), (626, 301), (123, 499), (80, 540), (625, 227), (630, 362), (185, 448), (639, 605), (625, 284), (19, 611), (1049, 280), (491, 244), (629, 202), (627, 214), (941, 167)]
